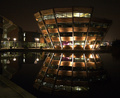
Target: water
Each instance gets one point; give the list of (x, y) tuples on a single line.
[(63, 74)]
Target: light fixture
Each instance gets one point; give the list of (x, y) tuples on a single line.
[(14, 59)]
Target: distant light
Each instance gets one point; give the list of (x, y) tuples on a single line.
[(78, 89), (36, 39), (14, 39), (8, 62), (91, 56), (24, 34), (24, 60), (91, 46), (37, 59), (14, 59), (35, 62), (24, 39)]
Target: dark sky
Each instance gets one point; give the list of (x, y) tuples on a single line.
[(21, 12)]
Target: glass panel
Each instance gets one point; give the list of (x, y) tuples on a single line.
[(53, 34), (79, 42), (87, 15), (76, 14), (69, 15), (39, 19), (48, 17), (51, 26)]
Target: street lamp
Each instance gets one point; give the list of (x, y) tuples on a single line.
[(8, 41), (36, 40), (14, 39)]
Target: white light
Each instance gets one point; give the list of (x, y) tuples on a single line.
[(78, 89), (91, 56), (91, 46), (37, 59), (14, 39), (82, 43), (36, 39), (14, 59), (24, 34), (24, 60)]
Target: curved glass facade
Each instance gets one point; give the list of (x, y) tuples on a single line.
[(71, 28)]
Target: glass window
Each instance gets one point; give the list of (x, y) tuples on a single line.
[(43, 28), (61, 15), (4, 35), (66, 34), (81, 24), (76, 14), (56, 43), (65, 25), (80, 33), (48, 17), (53, 34), (87, 15), (79, 42), (51, 26), (105, 25), (39, 19), (69, 15)]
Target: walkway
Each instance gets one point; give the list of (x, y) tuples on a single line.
[(9, 89)]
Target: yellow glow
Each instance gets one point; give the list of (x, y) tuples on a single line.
[(70, 64), (97, 46), (82, 56), (91, 56), (36, 19), (82, 46), (97, 56), (71, 38), (63, 46), (91, 46), (71, 46)]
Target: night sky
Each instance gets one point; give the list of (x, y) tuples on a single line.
[(21, 12)]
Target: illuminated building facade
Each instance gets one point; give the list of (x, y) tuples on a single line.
[(11, 35), (71, 28), (32, 39), (64, 73)]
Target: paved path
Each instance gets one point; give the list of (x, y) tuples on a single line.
[(9, 89)]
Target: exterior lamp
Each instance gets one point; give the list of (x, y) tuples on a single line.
[(36, 40), (14, 59), (14, 39)]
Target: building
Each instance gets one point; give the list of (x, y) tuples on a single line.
[(1, 29), (11, 34), (72, 28), (33, 40)]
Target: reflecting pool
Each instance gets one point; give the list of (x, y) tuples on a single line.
[(63, 74)]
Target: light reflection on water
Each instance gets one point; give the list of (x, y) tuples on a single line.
[(70, 74)]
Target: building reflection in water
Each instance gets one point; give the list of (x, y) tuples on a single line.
[(69, 73), (12, 62)]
